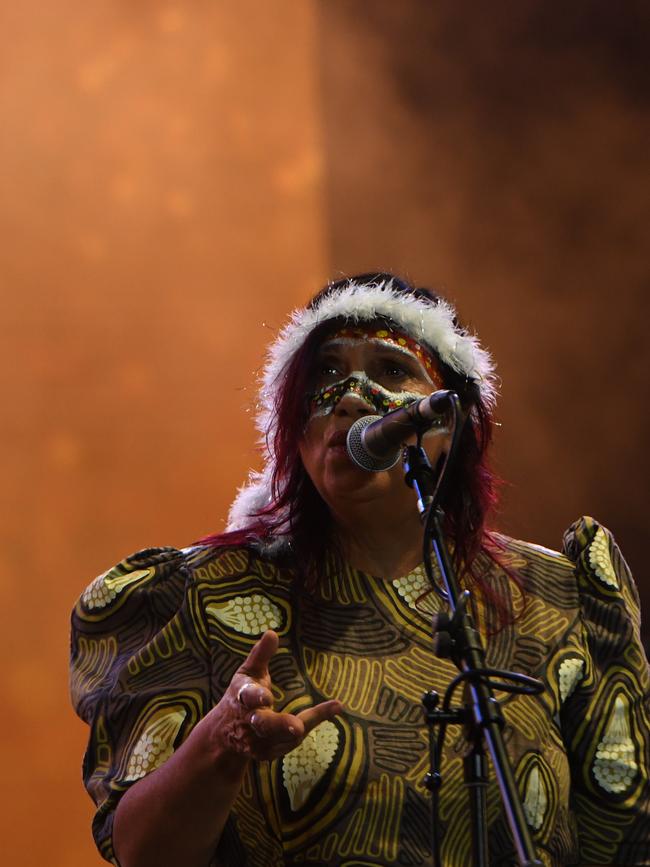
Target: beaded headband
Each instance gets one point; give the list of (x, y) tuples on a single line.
[(432, 324)]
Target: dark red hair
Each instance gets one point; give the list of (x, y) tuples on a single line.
[(298, 513)]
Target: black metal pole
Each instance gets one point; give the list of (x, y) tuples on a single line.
[(487, 716), (433, 780), (476, 780), (483, 716)]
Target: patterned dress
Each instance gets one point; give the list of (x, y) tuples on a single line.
[(157, 639)]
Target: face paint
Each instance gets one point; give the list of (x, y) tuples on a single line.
[(376, 396)]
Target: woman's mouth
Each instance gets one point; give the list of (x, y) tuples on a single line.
[(337, 442)]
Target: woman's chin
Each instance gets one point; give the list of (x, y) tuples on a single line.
[(342, 477), (339, 465)]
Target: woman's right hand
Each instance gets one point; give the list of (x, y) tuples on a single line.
[(176, 814), (244, 723)]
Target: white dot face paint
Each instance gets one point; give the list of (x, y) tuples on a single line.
[(381, 372), (378, 398)]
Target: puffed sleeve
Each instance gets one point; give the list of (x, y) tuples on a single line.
[(606, 719), (140, 673)]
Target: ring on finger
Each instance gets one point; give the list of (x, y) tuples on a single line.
[(240, 691)]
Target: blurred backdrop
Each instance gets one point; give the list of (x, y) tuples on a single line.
[(176, 176)]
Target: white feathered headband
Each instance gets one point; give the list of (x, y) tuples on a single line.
[(432, 324)]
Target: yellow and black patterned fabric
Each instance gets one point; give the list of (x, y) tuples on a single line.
[(157, 638)]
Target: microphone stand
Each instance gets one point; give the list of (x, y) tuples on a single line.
[(458, 639)]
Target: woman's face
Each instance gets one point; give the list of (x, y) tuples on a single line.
[(359, 372)]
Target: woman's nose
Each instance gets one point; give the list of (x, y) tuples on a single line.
[(353, 406)]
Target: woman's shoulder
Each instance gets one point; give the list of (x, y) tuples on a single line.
[(589, 561), (162, 575), (253, 561), (585, 536), (528, 559), (148, 571), (597, 556)]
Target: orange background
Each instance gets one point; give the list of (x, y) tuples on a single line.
[(176, 176)]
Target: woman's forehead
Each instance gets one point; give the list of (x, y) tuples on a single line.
[(375, 331), (380, 335), (338, 345)]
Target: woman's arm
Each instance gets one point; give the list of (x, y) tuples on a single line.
[(605, 720), (176, 814)]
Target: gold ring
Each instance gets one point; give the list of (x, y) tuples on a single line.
[(240, 690)]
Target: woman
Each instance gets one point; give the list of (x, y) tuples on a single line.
[(255, 699)]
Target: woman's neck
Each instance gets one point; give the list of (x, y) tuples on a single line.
[(384, 548)]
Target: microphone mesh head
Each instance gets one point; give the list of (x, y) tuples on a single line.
[(360, 454)]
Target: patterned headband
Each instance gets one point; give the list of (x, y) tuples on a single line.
[(395, 338), (432, 324)]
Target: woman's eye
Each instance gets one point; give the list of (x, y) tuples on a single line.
[(329, 370), (394, 371)]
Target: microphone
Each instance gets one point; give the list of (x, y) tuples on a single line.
[(374, 442)]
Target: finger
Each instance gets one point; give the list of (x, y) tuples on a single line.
[(252, 695), (277, 728), (314, 716), (257, 661)]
